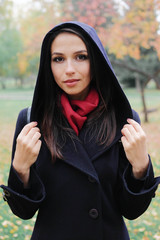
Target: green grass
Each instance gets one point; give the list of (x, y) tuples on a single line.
[(152, 97), (12, 101), (146, 227)]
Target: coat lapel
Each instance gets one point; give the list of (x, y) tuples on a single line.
[(81, 153), (75, 154), (92, 148)]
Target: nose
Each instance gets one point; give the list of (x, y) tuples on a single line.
[(70, 68)]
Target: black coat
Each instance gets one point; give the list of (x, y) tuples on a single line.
[(83, 196)]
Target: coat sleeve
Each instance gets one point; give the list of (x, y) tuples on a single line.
[(23, 202), (134, 195)]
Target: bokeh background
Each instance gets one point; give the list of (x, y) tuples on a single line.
[(130, 32)]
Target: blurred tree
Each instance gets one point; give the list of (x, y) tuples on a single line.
[(6, 14), (10, 45), (10, 42), (40, 17), (134, 38), (97, 13), (142, 70), (137, 28), (147, 67)]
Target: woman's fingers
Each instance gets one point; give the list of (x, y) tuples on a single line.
[(129, 132), (28, 132), (28, 144), (35, 143), (33, 134), (133, 132), (134, 143), (27, 150), (27, 128), (133, 135), (135, 125)]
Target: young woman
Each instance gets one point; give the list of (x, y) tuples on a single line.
[(82, 161)]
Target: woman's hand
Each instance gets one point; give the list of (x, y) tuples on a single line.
[(27, 150), (135, 147)]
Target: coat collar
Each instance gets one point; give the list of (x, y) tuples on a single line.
[(81, 153), (75, 154)]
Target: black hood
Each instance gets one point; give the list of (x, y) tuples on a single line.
[(120, 101)]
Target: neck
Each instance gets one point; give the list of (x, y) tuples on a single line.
[(80, 96)]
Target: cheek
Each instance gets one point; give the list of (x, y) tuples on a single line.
[(56, 73), (85, 70), (88, 73)]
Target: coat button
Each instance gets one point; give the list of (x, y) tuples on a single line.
[(93, 213), (91, 179)]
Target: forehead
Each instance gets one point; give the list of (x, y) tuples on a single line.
[(68, 41)]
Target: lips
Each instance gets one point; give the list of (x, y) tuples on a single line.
[(71, 82)]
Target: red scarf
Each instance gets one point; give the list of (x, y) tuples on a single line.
[(76, 110)]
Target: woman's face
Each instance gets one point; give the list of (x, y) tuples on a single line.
[(70, 65)]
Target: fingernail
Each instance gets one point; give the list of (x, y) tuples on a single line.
[(129, 119)]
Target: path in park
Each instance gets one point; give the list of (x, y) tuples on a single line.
[(15, 96)]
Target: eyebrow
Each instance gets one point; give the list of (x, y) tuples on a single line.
[(80, 51)]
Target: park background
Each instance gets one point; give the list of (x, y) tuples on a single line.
[(130, 32)]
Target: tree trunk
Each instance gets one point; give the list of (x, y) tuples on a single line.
[(138, 85), (2, 81), (141, 88), (144, 104), (157, 83), (21, 82)]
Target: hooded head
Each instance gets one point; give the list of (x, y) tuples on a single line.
[(103, 76)]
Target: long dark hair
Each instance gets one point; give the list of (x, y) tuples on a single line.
[(101, 123)]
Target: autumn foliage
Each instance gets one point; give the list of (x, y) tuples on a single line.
[(137, 28), (123, 33)]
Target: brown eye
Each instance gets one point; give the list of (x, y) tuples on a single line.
[(82, 57), (58, 59)]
